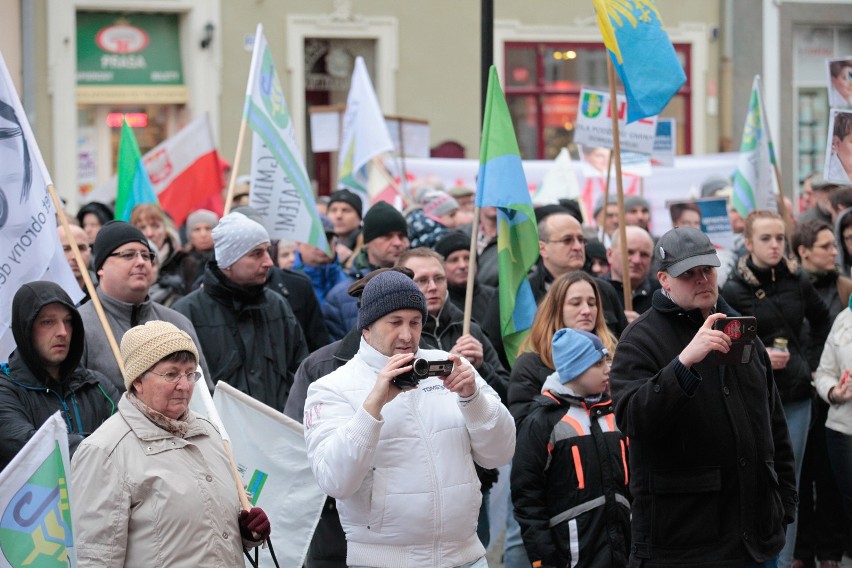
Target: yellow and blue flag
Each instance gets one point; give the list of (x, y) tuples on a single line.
[(642, 54), (502, 184), (134, 185)]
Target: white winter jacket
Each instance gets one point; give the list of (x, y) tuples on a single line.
[(836, 359), (406, 486)]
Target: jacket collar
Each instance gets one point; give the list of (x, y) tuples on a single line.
[(147, 431), (564, 394), (226, 290), (758, 277), (22, 375), (375, 360)]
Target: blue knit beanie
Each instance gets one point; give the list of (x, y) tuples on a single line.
[(388, 292), (575, 351)]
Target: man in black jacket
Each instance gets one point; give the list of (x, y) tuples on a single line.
[(254, 340), (44, 373), (711, 465)]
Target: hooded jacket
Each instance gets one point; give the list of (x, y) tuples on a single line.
[(29, 395), (340, 309), (253, 339), (711, 465), (781, 298)]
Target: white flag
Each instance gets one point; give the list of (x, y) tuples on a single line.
[(280, 189), (29, 246), (560, 182), (35, 506), (269, 449), (365, 133)]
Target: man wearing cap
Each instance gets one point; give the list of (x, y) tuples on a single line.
[(401, 464), (712, 474), (640, 253), (821, 210), (385, 237), (124, 262), (345, 209), (253, 339), (323, 270), (44, 375)]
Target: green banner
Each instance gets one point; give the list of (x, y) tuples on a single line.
[(116, 49)]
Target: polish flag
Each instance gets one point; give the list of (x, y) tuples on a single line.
[(184, 169)]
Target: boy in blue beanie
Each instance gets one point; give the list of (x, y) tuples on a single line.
[(569, 473)]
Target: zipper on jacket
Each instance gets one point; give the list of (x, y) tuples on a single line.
[(429, 456)]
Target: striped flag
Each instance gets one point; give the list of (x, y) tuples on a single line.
[(35, 507), (755, 182), (134, 185), (365, 133), (642, 54), (501, 183), (280, 189)]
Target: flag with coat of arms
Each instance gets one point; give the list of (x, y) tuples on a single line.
[(35, 502)]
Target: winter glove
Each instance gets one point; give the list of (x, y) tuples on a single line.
[(254, 521)]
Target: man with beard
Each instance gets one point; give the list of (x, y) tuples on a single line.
[(253, 339)]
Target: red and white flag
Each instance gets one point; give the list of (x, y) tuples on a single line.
[(184, 170)]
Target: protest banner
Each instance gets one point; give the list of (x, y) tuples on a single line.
[(839, 75), (838, 150), (269, 449), (711, 215), (594, 124), (29, 245), (36, 501), (665, 143)]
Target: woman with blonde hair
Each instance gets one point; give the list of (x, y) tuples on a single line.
[(573, 301), (171, 282)]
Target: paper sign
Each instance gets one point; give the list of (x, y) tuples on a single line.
[(594, 124)]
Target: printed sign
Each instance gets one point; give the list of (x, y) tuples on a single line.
[(594, 124)]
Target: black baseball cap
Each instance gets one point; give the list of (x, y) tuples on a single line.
[(684, 248)]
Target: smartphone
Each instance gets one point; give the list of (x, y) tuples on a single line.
[(742, 331)]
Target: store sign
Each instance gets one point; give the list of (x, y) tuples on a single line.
[(117, 50)]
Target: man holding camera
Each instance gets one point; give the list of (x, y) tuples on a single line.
[(400, 461), (711, 465)]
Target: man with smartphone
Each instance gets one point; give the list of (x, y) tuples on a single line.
[(711, 466), (400, 461)]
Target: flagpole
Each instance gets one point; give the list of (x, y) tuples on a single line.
[(471, 273), (229, 200), (87, 280), (782, 207), (616, 149)]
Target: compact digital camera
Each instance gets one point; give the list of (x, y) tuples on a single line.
[(421, 369)]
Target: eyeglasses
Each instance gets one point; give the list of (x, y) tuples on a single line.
[(423, 281), (570, 240), (130, 255), (172, 377)]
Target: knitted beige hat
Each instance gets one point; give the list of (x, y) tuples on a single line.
[(144, 346)]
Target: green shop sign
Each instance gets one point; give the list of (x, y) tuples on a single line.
[(116, 50)]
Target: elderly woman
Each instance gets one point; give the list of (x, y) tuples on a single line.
[(153, 485)]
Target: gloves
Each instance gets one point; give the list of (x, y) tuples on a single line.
[(254, 521)]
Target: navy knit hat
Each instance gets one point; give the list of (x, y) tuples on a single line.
[(349, 198), (575, 351), (383, 219), (113, 235), (388, 292)]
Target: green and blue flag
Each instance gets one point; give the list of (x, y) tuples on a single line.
[(755, 182), (134, 185), (502, 184), (642, 54)]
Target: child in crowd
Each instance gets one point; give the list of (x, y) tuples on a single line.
[(569, 473)]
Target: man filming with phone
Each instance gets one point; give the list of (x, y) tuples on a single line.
[(400, 461), (711, 465)]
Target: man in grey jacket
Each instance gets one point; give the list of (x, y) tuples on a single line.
[(125, 265)]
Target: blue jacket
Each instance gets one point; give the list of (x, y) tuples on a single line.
[(323, 278)]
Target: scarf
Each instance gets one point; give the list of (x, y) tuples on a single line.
[(176, 427)]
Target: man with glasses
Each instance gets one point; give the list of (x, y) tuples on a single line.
[(251, 337), (124, 262), (562, 249), (711, 464)]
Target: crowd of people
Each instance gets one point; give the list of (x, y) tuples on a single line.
[(633, 437)]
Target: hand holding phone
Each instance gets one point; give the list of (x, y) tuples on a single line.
[(742, 331)]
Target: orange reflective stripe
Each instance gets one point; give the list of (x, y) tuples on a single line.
[(578, 467), (549, 448), (536, 564), (624, 461), (610, 421), (576, 425)]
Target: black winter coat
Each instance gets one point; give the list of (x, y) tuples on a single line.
[(781, 298), (254, 340), (525, 382), (569, 484), (712, 472), (29, 395)]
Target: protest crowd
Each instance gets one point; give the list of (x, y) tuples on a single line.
[(465, 368)]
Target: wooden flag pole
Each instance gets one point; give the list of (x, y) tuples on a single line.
[(616, 149), (87, 280), (229, 200), (471, 272), (782, 206)]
